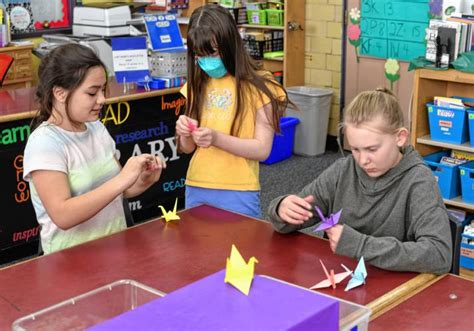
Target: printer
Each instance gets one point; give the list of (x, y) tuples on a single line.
[(104, 21), (100, 45)]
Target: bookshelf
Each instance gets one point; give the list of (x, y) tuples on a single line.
[(427, 85)]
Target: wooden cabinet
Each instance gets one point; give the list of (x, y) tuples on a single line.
[(20, 73), (292, 63), (427, 85)]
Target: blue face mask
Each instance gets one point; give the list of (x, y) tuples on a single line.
[(213, 66)]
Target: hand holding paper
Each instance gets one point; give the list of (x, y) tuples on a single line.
[(359, 275), (238, 272), (332, 279), (327, 222), (192, 126), (170, 215)]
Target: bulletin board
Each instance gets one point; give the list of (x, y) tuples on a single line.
[(393, 28)]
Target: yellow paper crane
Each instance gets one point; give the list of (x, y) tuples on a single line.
[(238, 272), (170, 215)]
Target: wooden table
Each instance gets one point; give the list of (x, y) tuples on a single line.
[(167, 256), (446, 303)]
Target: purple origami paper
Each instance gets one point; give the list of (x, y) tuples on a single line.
[(211, 304), (327, 222)]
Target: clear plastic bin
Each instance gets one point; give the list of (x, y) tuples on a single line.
[(91, 308), (314, 105), (352, 316)]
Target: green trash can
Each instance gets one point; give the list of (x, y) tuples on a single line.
[(314, 105)]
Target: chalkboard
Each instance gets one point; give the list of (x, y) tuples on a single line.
[(393, 28)]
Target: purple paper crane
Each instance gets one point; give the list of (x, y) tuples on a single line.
[(327, 222)]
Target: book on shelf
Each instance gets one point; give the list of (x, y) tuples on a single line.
[(434, 25), (468, 24), (448, 102)]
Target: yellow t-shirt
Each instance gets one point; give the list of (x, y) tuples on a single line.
[(213, 167)]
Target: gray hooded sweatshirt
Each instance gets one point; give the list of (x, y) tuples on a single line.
[(397, 221)]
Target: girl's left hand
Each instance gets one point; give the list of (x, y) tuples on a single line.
[(334, 234), (203, 137), (153, 169)]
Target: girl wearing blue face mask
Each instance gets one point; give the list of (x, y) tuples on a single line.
[(233, 110)]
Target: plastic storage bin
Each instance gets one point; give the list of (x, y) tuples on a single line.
[(470, 122), (258, 17), (466, 258), (90, 308), (447, 124), (314, 105), (283, 143), (170, 63), (467, 181), (275, 17), (447, 175)]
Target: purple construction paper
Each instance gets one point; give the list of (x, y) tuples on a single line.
[(327, 222), (211, 304)]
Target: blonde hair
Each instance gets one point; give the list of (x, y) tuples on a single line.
[(368, 105)]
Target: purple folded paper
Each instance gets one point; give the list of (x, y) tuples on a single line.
[(327, 222), (211, 304)]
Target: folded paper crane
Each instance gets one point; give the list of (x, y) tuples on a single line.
[(170, 215), (359, 275), (332, 279), (239, 273), (327, 222)]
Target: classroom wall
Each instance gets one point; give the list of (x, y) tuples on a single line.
[(323, 51)]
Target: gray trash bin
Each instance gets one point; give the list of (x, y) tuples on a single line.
[(314, 105)]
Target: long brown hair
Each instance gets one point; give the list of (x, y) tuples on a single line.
[(210, 27), (66, 66)]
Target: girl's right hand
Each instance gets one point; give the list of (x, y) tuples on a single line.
[(185, 126), (134, 167), (296, 210)]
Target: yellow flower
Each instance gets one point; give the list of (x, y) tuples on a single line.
[(392, 67)]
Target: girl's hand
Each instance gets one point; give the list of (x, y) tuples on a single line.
[(152, 172), (204, 137), (185, 126), (133, 168), (334, 234), (296, 210)]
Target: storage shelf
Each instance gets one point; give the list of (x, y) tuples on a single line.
[(280, 59), (466, 147), (427, 85), (459, 202), (257, 26)]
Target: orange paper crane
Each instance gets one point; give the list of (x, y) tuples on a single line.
[(332, 279)]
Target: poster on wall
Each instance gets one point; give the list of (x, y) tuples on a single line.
[(148, 126), (21, 16), (19, 230)]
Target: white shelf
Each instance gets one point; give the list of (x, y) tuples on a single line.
[(426, 140), (257, 26)]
